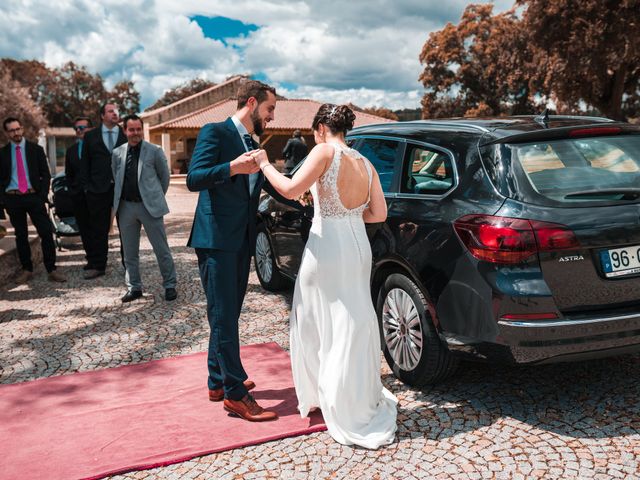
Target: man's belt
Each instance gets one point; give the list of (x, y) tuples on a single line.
[(132, 199), (18, 192)]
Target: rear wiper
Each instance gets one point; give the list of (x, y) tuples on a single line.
[(627, 193)]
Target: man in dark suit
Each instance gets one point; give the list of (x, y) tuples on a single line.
[(75, 183), (294, 151), (223, 170), (98, 185), (24, 186)]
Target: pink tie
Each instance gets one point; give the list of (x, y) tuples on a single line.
[(22, 175)]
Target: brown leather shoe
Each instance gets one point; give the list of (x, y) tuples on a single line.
[(248, 409), (93, 273), (56, 277), (217, 395), (24, 277)]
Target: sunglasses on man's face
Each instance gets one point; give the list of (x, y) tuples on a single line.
[(80, 128)]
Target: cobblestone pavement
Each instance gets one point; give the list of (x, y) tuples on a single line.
[(579, 420)]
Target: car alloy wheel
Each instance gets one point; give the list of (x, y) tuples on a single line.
[(402, 330), (411, 344), (264, 257), (264, 260)]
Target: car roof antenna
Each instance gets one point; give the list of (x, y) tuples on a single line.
[(543, 118)]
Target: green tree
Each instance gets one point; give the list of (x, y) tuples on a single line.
[(78, 93), (126, 97)]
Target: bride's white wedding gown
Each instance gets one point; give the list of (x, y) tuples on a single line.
[(335, 342)]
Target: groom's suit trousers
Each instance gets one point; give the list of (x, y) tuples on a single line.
[(224, 276)]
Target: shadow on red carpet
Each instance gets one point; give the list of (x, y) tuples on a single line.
[(99, 423)]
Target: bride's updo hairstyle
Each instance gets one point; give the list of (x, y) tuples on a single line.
[(337, 118)]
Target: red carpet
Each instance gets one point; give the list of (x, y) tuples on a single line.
[(94, 424)]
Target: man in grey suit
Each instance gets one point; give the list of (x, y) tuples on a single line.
[(141, 177)]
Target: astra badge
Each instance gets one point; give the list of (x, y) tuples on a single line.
[(571, 258)]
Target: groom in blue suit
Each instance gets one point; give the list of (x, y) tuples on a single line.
[(223, 169)]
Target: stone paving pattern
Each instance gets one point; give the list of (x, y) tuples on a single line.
[(578, 420)]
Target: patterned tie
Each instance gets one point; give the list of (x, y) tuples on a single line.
[(110, 140), (22, 175), (248, 141)]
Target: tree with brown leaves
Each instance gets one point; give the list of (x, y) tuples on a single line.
[(579, 55), (381, 112), (69, 91), (482, 66), (181, 91), (593, 48), (16, 101)]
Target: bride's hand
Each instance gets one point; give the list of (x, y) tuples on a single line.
[(261, 159), (306, 199)]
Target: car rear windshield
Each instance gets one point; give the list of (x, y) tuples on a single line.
[(582, 169)]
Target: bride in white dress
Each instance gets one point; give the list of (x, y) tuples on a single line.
[(335, 343)]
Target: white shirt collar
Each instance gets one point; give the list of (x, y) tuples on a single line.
[(105, 129), (242, 130)]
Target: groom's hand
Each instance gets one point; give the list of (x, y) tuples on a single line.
[(262, 160), (244, 164)]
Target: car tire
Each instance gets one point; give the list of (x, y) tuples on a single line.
[(265, 263), (409, 339)]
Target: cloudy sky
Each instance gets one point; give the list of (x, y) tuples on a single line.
[(360, 51)]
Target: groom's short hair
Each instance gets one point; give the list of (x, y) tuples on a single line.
[(255, 89)]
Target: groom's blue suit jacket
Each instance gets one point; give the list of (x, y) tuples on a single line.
[(226, 212)]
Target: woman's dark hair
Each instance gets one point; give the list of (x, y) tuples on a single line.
[(337, 118)]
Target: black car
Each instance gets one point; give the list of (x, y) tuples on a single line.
[(511, 239)]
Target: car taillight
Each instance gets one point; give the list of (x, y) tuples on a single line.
[(511, 240), (551, 236), (590, 132)]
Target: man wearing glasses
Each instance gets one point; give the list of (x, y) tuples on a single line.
[(24, 186), (76, 184)]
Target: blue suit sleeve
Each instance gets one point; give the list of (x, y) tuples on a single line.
[(205, 169)]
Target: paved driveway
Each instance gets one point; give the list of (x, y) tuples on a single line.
[(578, 420)]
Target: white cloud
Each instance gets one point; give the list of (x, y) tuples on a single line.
[(362, 51)]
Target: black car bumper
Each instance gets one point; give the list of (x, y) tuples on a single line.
[(548, 341)]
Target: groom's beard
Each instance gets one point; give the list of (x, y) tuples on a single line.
[(257, 123)]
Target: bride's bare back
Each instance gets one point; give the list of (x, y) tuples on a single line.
[(353, 181), (348, 187)]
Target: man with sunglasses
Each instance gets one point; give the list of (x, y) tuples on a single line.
[(24, 186), (75, 182)]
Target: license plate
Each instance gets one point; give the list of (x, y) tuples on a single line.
[(618, 262)]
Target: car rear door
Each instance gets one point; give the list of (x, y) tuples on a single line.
[(590, 187)]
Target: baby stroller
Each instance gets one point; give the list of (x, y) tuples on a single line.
[(61, 210)]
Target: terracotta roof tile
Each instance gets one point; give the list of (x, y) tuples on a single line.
[(290, 114)]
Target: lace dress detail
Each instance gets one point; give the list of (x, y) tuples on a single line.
[(334, 336), (327, 198)]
